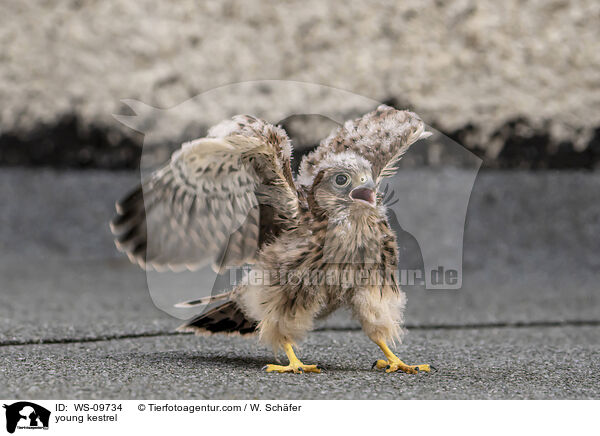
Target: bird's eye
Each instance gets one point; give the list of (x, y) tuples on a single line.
[(341, 180), (363, 179)]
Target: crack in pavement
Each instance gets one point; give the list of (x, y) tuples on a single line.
[(150, 334)]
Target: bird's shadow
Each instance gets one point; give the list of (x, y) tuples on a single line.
[(193, 360), (211, 360)]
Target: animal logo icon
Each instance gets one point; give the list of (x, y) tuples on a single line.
[(26, 415)]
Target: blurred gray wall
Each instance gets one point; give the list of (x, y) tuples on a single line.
[(490, 74)]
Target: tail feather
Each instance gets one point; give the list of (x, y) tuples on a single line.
[(205, 300), (225, 318)]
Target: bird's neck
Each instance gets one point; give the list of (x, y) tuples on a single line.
[(354, 236)]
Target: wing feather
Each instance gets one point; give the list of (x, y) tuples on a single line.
[(381, 137), (204, 206)]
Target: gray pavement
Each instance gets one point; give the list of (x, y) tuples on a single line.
[(539, 363), (77, 321)]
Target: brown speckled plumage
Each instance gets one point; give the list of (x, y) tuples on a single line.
[(318, 243)]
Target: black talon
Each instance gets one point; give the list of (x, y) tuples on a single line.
[(374, 365), (416, 370), (300, 369), (433, 367), (322, 368), (265, 367), (387, 367)]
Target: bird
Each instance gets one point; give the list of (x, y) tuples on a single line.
[(314, 242)]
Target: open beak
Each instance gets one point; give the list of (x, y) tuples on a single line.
[(365, 194)]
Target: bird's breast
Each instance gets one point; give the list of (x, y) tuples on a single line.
[(353, 242)]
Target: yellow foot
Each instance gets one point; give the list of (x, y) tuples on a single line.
[(398, 365), (297, 368)]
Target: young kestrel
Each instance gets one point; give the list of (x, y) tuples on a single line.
[(316, 243)]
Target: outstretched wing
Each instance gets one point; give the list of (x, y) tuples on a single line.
[(216, 202), (381, 137)]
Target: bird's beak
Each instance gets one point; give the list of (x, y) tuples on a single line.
[(365, 193)]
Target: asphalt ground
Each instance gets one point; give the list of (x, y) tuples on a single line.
[(77, 321), (500, 363)]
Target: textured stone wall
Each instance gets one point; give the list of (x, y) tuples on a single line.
[(519, 82)]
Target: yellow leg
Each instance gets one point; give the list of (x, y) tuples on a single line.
[(294, 366), (393, 363)]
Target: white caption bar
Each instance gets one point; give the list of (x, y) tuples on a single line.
[(304, 418)]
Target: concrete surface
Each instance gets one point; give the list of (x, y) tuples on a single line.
[(76, 320), (533, 363), (458, 64)]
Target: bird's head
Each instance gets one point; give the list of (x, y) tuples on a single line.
[(344, 186), (344, 171)]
